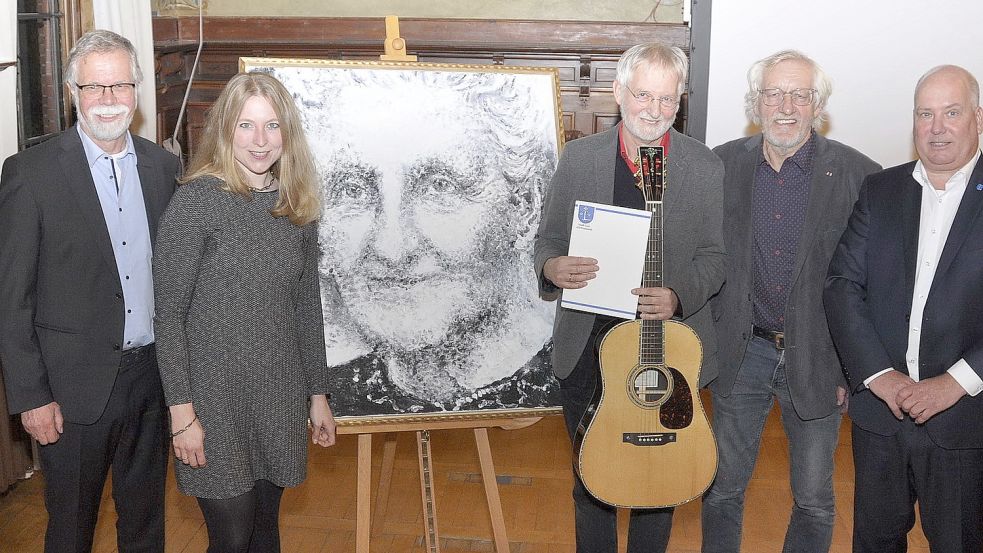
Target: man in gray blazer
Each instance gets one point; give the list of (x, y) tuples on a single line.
[(601, 168), (78, 215), (788, 192)]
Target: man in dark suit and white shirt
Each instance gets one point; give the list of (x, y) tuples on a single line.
[(904, 297), (78, 215), (788, 193)]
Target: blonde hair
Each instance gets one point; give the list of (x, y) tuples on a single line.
[(214, 155)]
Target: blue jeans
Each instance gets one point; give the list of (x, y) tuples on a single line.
[(738, 421)]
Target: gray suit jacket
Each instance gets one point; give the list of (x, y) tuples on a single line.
[(813, 368), (61, 308), (694, 253)]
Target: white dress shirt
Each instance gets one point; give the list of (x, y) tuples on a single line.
[(938, 210)]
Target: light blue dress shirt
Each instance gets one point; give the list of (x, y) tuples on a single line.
[(121, 196)]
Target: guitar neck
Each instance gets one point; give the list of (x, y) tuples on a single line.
[(651, 347)]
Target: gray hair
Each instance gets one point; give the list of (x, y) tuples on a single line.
[(656, 54), (99, 41), (971, 82), (756, 75)]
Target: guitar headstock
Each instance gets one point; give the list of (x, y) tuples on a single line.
[(652, 165)]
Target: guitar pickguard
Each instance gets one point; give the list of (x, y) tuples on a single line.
[(677, 411)]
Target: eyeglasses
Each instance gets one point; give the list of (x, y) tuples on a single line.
[(120, 90), (645, 98), (775, 96)]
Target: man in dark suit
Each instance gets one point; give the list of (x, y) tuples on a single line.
[(78, 215), (904, 298), (601, 168), (788, 192)]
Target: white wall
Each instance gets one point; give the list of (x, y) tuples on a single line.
[(874, 51)]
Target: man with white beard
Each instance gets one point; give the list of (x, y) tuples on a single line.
[(78, 216), (605, 168), (788, 193)]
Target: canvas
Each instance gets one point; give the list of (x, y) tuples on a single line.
[(432, 178)]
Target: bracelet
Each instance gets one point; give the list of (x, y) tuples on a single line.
[(183, 430)]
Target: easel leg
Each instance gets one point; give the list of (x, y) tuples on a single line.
[(491, 490), (385, 482), (363, 507), (426, 486)]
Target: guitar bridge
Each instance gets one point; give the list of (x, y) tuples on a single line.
[(648, 438)]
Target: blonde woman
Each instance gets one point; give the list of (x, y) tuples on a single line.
[(238, 315)]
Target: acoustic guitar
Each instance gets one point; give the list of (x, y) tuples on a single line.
[(645, 441)]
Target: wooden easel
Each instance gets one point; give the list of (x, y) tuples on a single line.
[(363, 510)]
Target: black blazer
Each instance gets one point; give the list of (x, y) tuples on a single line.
[(61, 302), (813, 367), (869, 292)]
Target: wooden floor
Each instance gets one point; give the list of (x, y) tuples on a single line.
[(533, 467)]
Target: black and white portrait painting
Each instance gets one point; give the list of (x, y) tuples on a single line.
[(432, 181)]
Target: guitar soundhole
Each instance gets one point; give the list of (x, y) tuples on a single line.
[(650, 387)]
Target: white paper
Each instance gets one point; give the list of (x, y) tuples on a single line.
[(616, 237)]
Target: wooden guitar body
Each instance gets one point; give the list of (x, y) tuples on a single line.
[(645, 442)]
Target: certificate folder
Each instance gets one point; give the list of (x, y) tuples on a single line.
[(616, 237)]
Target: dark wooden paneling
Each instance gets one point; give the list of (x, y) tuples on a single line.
[(584, 54)]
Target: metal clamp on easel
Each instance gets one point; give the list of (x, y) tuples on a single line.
[(395, 45)]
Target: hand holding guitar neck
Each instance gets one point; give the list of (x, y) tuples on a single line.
[(567, 271), (656, 303)]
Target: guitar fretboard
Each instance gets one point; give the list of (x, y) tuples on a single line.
[(652, 344)]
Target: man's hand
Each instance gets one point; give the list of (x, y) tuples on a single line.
[(924, 399), (843, 399), (45, 424), (887, 386), (657, 304), (570, 272)]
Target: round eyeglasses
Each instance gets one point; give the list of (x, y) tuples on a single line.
[(645, 98), (775, 96)]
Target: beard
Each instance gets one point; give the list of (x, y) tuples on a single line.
[(107, 131), (785, 141), (645, 131)]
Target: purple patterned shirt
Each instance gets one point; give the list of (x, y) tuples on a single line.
[(778, 211)]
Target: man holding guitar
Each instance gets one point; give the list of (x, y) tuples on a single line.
[(788, 192), (601, 168)]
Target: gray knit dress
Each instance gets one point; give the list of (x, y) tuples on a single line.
[(239, 334)]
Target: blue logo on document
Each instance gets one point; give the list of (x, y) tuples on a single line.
[(585, 214)]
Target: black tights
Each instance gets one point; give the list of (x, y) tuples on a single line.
[(247, 523)]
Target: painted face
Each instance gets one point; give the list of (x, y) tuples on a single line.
[(257, 143), (787, 126), (419, 241), (105, 116), (947, 127), (646, 123)]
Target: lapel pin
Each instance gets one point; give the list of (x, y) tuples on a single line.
[(979, 186), (829, 173)]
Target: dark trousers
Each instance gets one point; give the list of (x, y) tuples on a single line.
[(595, 521), (131, 439), (892, 472)]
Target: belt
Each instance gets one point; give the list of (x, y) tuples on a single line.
[(139, 353), (777, 339)]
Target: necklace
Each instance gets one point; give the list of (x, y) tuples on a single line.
[(268, 186)]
